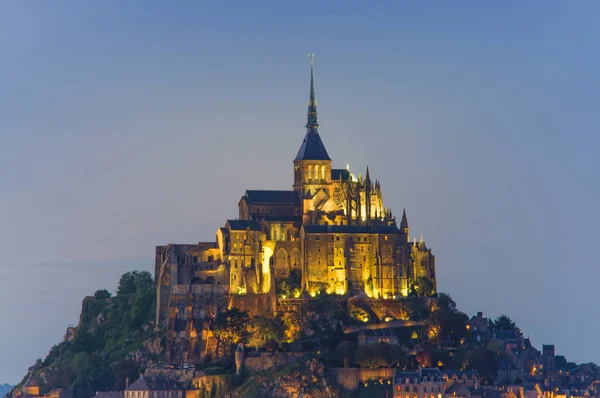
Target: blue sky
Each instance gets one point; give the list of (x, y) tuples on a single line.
[(128, 125)]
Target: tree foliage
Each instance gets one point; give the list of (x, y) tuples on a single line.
[(381, 355), (109, 332), (265, 329), (422, 287), (290, 286), (138, 282), (503, 322), (102, 294), (485, 362), (230, 327)]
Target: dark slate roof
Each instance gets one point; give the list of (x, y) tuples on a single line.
[(337, 173), (312, 148), (350, 229), (432, 372), (388, 229), (281, 218), (109, 394), (153, 383), (242, 225), (460, 373), (400, 377), (504, 334), (266, 196)]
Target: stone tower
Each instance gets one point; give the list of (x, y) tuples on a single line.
[(312, 165)]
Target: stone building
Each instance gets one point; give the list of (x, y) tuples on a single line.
[(426, 383), (154, 387), (332, 229)]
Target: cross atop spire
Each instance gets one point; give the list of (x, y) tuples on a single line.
[(311, 123)]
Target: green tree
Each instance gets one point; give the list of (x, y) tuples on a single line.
[(380, 355), (345, 353), (102, 294), (423, 287), (485, 362), (265, 328), (230, 327), (504, 322), (139, 282), (143, 283)]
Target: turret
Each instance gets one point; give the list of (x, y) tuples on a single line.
[(404, 225)]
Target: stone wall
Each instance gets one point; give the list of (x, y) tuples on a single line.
[(376, 374), (350, 378), (254, 304), (209, 383), (268, 360), (183, 376), (347, 378)]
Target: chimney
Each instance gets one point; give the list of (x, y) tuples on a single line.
[(420, 371), (126, 382)]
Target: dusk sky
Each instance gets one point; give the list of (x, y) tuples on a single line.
[(126, 125)]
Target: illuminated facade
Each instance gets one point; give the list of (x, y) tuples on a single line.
[(331, 228)]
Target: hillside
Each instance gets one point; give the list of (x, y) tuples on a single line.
[(113, 340)]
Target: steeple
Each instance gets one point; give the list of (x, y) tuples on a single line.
[(312, 147), (404, 225), (404, 222), (311, 124)]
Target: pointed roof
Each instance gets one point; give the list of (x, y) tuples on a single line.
[(153, 383), (404, 222), (312, 147)]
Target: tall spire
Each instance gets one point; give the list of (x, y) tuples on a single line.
[(404, 222), (311, 124)]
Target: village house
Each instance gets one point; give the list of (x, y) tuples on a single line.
[(154, 387)]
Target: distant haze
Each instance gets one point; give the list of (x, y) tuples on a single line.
[(125, 125)]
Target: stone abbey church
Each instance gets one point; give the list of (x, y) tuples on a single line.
[(331, 228)]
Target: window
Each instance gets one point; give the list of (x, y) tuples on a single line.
[(337, 237), (322, 172), (319, 249), (317, 237), (195, 260)]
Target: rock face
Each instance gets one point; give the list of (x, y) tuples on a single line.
[(303, 378)]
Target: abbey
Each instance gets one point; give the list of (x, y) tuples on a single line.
[(331, 229)]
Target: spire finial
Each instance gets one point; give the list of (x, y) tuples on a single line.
[(421, 237), (312, 124)]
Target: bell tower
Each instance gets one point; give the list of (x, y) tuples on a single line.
[(312, 165)]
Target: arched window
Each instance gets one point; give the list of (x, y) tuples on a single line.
[(322, 172), (195, 259), (309, 172)]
